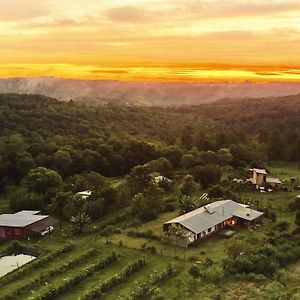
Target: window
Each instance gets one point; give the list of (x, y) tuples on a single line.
[(17, 231), (7, 230), (209, 230)]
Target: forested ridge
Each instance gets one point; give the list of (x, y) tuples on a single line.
[(112, 141), (71, 138)]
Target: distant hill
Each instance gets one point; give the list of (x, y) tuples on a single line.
[(143, 93), (246, 110)]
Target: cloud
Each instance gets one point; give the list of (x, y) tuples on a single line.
[(292, 72), (98, 71), (268, 73), (130, 14), (13, 10), (57, 22), (225, 9)]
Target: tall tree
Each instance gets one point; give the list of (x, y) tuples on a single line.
[(189, 186), (41, 180)]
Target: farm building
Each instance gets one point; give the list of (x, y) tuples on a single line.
[(23, 224), (204, 221), (84, 194), (260, 179)]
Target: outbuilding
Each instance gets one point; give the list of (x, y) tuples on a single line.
[(24, 223)]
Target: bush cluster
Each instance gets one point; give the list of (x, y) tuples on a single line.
[(270, 214), (266, 260), (16, 248)]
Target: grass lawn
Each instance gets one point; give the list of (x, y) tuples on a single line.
[(285, 170)]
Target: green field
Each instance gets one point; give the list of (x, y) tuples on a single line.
[(131, 248)]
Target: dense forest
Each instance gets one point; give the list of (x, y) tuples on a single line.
[(72, 139)]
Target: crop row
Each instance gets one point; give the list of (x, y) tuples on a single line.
[(78, 278), (43, 279), (16, 274), (144, 288), (98, 291)]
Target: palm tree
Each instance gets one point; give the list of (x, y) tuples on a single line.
[(186, 203), (80, 220)]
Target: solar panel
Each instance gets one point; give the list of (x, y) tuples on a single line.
[(209, 209)]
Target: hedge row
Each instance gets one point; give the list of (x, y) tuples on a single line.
[(45, 277), (144, 288), (15, 248), (98, 291), (78, 278), (17, 273)]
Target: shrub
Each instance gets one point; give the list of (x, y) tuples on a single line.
[(169, 207), (194, 271), (273, 216), (216, 191), (208, 262), (151, 249), (282, 226), (213, 274)]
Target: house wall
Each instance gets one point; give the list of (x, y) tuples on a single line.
[(247, 223), (14, 233), (205, 234), (259, 178)]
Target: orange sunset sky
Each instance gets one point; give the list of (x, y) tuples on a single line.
[(173, 40)]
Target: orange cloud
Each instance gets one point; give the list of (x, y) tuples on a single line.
[(151, 39)]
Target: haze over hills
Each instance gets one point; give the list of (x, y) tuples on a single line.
[(144, 93)]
